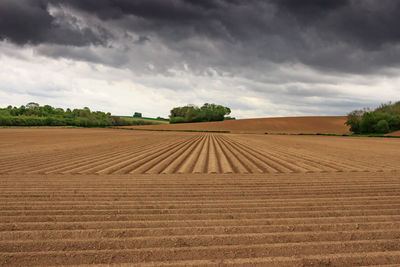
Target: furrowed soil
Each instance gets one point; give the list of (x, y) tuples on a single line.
[(117, 197), (288, 125), (396, 133)]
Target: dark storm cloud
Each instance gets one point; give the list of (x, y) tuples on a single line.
[(364, 24), (151, 9), (338, 35), (142, 39), (26, 21), (309, 9)]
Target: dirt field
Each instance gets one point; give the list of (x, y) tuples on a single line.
[(102, 196), (397, 133), (293, 125), (97, 151)]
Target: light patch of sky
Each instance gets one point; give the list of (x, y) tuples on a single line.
[(27, 76)]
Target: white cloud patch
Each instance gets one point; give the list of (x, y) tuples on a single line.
[(27, 74)]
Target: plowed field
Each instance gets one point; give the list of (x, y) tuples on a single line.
[(397, 133), (92, 196), (291, 125)]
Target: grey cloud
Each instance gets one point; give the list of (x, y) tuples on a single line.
[(306, 91), (30, 22), (354, 36), (142, 40), (307, 10)]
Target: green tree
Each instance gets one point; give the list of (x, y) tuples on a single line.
[(354, 120), (384, 119), (192, 113), (32, 105), (35, 115)]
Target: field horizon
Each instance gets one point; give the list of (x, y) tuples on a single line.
[(290, 125)]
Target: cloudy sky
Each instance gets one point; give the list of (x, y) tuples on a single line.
[(261, 58)]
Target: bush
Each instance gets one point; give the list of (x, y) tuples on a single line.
[(382, 127), (394, 122), (367, 124), (384, 119), (192, 113), (354, 120), (227, 118), (5, 121), (177, 120), (161, 119), (35, 115)]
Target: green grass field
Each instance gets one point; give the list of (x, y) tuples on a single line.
[(152, 120)]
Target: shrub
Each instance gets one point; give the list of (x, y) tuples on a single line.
[(384, 119), (35, 115), (382, 127), (227, 118), (177, 120), (192, 113), (354, 120)]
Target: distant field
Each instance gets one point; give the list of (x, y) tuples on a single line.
[(290, 125), (152, 120), (397, 133)]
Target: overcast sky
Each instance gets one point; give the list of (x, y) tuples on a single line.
[(260, 58)]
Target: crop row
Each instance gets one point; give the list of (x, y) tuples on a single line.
[(202, 153), (336, 219)]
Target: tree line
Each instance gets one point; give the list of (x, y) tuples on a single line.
[(33, 114), (384, 119), (192, 113)]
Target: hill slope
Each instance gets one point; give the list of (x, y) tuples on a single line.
[(396, 133), (293, 125)]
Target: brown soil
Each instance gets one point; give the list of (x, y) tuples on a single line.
[(397, 133), (96, 151), (92, 196), (292, 125)]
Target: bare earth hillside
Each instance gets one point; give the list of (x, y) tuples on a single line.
[(107, 196), (293, 125), (397, 133)]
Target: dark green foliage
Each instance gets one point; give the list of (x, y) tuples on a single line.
[(389, 108), (155, 119), (384, 119), (382, 127), (354, 120), (161, 119), (191, 113), (137, 115), (164, 130), (35, 115), (227, 118)]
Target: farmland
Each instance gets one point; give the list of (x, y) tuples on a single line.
[(150, 120), (109, 196), (288, 125), (396, 133)]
